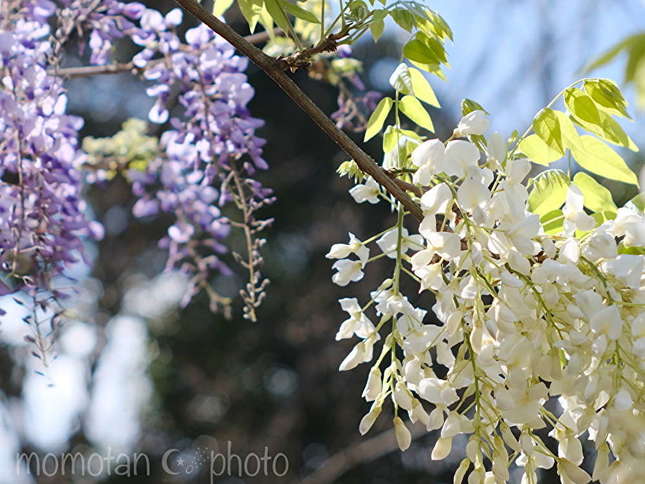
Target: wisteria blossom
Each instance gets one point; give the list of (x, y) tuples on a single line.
[(521, 318)]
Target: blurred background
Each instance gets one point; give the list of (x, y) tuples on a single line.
[(137, 375)]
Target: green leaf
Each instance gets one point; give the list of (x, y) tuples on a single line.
[(555, 129), (403, 18), (377, 119), (595, 156), (389, 139), (277, 13), (417, 51), (376, 27), (299, 12), (468, 106), (552, 222), (425, 52), (422, 88), (587, 114), (549, 191), (251, 10), (607, 96), (221, 6), (610, 54), (413, 109), (433, 25), (597, 197), (538, 151)]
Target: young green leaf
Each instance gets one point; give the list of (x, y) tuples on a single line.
[(538, 151), (595, 156), (403, 18), (468, 106), (597, 197), (607, 96), (552, 222), (425, 52), (278, 14), (378, 117), (389, 139), (587, 114), (547, 126), (422, 88), (549, 191), (413, 109), (299, 12), (251, 10), (625, 44), (221, 6), (377, 27)]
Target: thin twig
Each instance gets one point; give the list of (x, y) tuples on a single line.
[(273, 68), (118, 68)]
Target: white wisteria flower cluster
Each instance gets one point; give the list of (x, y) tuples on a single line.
[(533, 332)]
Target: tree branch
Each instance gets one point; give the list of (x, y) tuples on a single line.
[(87, 71), (360, 453), (273, 69)]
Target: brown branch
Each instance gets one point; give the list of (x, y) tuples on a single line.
[(359, 453), (303, 58), (418, 191), (273, 68), (86, 71)]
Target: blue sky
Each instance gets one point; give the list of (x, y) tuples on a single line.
[(513, 56)]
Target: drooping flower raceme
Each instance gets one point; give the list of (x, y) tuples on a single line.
[(209, 155), (522, 316), (43, 220), (42, 214)]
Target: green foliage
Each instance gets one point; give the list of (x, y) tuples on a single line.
[(597, 197), (591, 109), (536, 150), (378, 117), (587, 114), (351, 170), (595, 156), (422, 89), (221, 6), (413, 109), (548, 192), (299, 12), (468, 106), (634, 47)]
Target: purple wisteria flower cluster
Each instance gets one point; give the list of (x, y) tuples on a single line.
[(42, 214), (207, 158), (209, 154), (102, 22)]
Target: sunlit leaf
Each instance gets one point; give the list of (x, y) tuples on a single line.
[(378, 117), (413, 109), (552, 222), (221, 6), (606, 94), (597, 197), (586, 113), (548, 192), (595, 156), (422, 88), (536, 150), (299, 12)]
